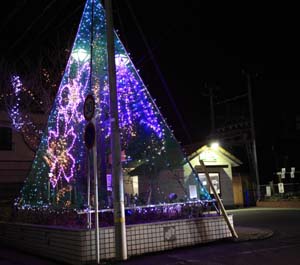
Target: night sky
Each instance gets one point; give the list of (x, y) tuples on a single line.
[(193, 44)]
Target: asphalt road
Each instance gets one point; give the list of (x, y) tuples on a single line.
[(282, 248)]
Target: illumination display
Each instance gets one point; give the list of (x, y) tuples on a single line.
[(20, 121), (15, 115), (59, 174)]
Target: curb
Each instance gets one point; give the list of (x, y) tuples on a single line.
[(252, 233), (278, 204)]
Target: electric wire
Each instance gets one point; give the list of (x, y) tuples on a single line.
[(10, 16), (157, 68), (31, 25), (40, 34), (125, 42)]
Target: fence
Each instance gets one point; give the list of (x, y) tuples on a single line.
[(287, 190)]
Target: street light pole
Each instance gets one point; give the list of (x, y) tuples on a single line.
[(118, 184), (94, 148), (255, 164)]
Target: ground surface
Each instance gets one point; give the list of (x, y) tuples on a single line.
[(283, 247)]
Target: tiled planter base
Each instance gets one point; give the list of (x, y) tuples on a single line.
[(78, 246)]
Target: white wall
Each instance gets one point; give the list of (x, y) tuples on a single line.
[(78, 246), (15, 163)]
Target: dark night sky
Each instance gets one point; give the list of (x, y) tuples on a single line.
[(193, 44)]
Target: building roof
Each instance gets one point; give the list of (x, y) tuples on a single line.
[(233, 159)]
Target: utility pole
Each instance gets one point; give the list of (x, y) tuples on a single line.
[(255, 164), (94, 151), (118, 183), (212, 110)]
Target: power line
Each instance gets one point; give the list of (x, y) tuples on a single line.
[(10, 16), (30, 26), (162, 79), (232, 99), (47, 26), (69, 16), (125, 42)]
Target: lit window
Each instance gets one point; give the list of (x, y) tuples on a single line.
[(215, 179)]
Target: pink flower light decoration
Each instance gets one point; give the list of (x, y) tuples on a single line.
[(60, 143)]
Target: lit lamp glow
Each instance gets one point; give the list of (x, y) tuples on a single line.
[(121, 59), (80, 55), (214, 145)]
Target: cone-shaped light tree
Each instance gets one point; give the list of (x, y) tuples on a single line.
[(153, 164)]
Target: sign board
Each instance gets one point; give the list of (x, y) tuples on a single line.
[(216, 185), (268, 191), (89, 135), (89, 107), (109, 182), (208, 155), (170, 233), (280, 188), (292, 172), (283, 173), (193, 191)]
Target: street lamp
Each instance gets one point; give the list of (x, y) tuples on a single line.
[(80, 55), (121, 59), (214, 145)]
